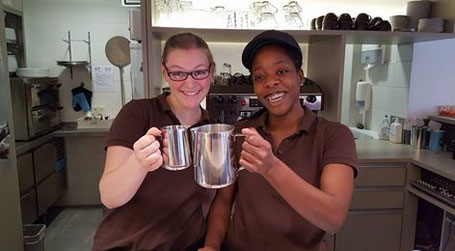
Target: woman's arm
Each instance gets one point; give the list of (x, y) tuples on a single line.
[(125, 169), (218, 220), (326, 207)]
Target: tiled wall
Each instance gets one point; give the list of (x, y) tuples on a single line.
[(390, 85), (46, 23), (433, 77)]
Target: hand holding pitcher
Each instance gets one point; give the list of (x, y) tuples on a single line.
[(257, 154), (147, 150)]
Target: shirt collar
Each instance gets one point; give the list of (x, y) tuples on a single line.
[(165, 107)]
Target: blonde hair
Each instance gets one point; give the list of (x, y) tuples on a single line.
[(187, 41)]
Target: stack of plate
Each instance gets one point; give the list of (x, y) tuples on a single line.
[(32, 72), (431, 25), (399, 22), (417, 10)]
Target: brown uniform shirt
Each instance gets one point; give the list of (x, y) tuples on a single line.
[(262, 219), (165, 213)]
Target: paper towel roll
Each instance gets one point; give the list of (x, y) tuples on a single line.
[(363, 93)]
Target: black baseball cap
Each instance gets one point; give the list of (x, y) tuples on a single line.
[(266, 38)]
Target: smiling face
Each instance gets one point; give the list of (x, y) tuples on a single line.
[(276, 81), (189, 93)]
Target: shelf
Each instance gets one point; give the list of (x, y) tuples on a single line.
[(305, 36), (431, 199), (12, 11), (441, 119), (72, 63)]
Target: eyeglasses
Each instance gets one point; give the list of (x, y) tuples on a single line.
[(183, 75)]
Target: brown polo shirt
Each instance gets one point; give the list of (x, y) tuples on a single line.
[(165, 213), (262, 219)]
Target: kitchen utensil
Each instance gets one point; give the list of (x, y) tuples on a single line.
[(225, 74), (117, 51), (435, 25), (10, 35), (330, 22), (176, 140), (418, 137), (416, 10), (32, 72), (313, 24), (345, 22), (399, 22), (435, 140), (12, 63), (362, 22), (212, 152)]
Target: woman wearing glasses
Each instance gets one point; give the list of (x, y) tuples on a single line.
[(153, 208)]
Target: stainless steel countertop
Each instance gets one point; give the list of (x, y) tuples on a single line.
[(371, 150), (67, 129), (368, 150)]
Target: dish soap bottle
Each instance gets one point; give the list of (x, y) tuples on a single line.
[(384, 129), (395, 132)]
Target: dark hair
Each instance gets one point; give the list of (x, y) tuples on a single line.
[(187, 41)]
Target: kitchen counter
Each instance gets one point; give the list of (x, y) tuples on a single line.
[(371, 150), (67, 129)]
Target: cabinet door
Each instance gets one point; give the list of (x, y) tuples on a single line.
[(44, 157), (50, 190), (370, 231), (28, 207), (25, 171)]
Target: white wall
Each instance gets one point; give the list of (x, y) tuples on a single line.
[(46, 23), (390, 86), (433, 77), (391, 83)]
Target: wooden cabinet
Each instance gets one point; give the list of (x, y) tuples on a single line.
[(374, 221)]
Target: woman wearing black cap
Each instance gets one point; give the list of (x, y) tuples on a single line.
[(300, 168)]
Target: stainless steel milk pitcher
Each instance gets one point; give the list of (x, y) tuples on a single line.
[(176, 142), (212, 151)]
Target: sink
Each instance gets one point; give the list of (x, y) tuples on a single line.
[(363, 133)]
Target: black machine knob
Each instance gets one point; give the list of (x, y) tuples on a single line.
[(219, 100), (311, 99), (234, 99)]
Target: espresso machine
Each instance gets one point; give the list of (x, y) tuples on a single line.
[(230, 102)]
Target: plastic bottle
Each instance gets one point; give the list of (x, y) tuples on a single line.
[(396, 130), (384, 129)]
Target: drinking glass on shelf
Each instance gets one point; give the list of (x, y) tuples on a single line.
[(268, 21), (296, 19), (186, 6), (268, 7), (294, 6)]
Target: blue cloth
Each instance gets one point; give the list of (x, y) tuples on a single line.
[(81, 100)]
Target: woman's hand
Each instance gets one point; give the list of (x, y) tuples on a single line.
[(147, 150), (257, 154)]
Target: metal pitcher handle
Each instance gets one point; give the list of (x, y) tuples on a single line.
[(236, 145)]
